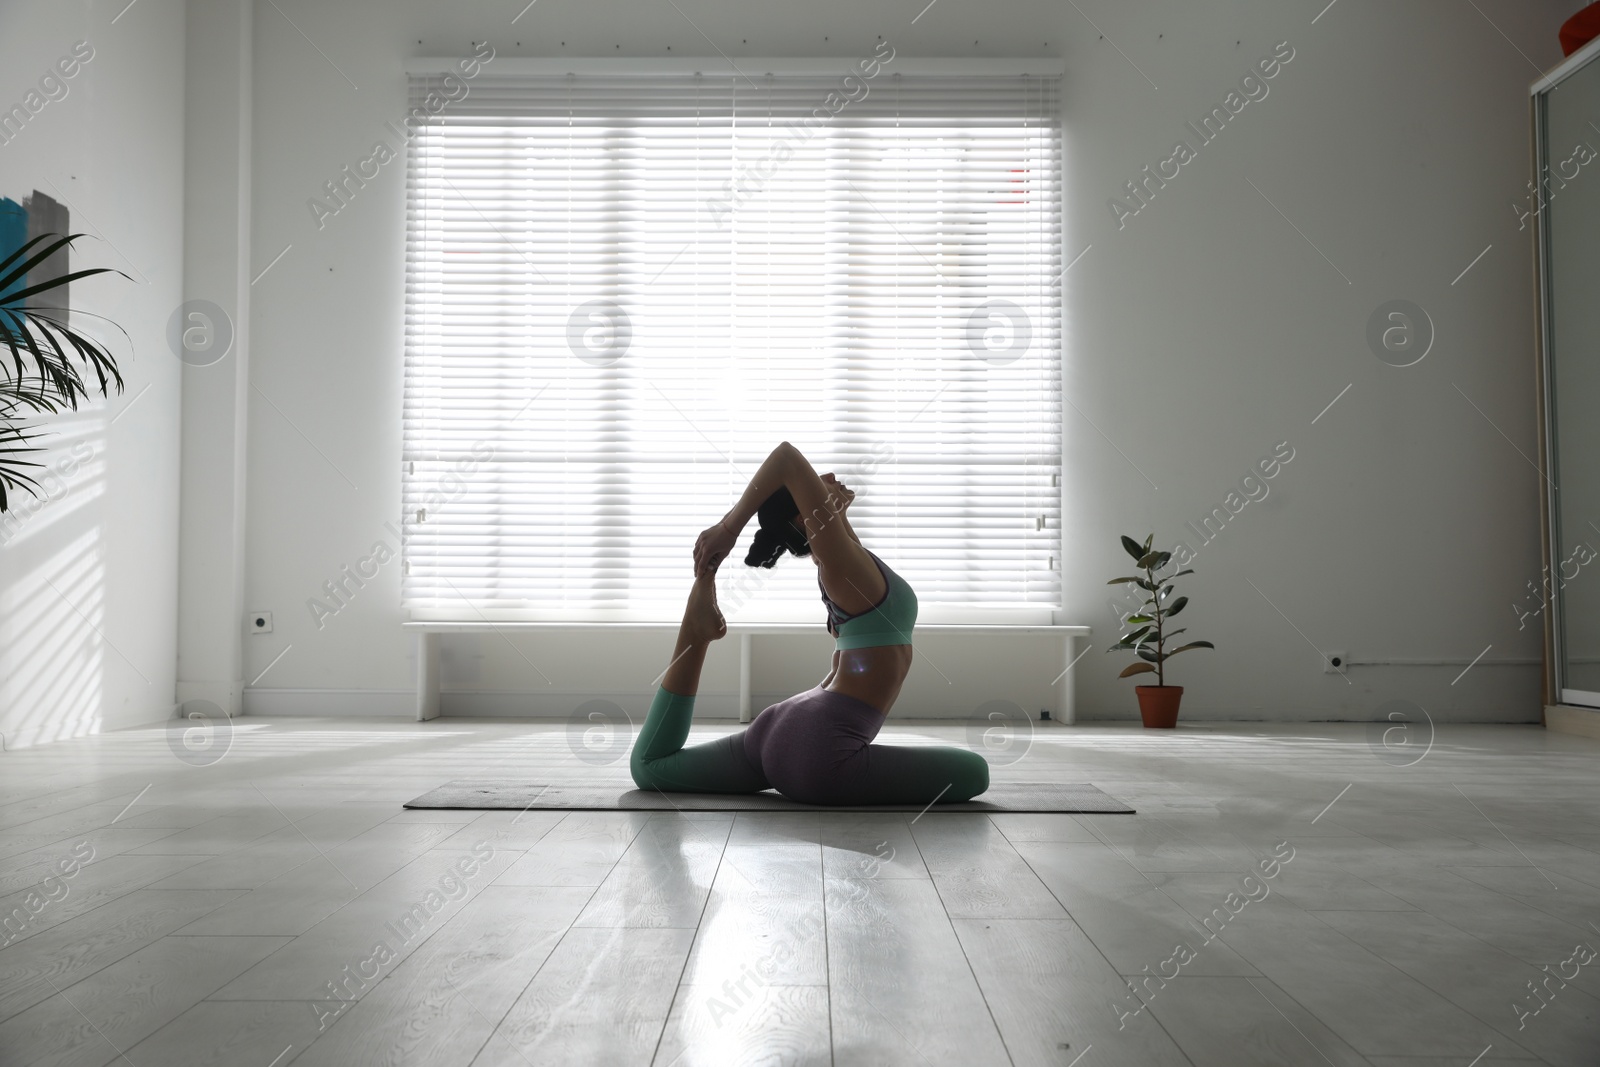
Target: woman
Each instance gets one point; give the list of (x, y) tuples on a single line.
[(815, 747)]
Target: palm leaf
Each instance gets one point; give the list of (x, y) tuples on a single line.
[(23, 328), (8, 265), (57, 282), (12, 475), (42, 336)]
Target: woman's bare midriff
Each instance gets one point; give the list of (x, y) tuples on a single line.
[(871, 675)]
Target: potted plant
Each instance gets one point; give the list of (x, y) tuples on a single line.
[(1158, 704)]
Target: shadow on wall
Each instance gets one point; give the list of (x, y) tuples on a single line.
[(52, 594), (52, 577), (55, 659)]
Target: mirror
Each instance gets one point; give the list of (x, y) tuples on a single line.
[(1567, 152)]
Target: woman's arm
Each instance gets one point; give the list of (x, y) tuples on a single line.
[(784, 467), (778, 470), (851, 530), (715, 542), (847, 572), (821, 511)]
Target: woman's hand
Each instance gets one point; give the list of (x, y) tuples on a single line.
[(702, 619), (712, 547)]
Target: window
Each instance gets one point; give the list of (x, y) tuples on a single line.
[(623, 289)]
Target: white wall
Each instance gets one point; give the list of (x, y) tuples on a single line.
[(1215, 324), (88, 576)]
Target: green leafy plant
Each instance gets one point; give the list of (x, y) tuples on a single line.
[(40, 356), (1148, 640)]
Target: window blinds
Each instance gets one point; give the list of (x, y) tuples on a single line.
[(622, 291)]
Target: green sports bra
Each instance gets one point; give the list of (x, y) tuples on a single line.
[(888, 623)]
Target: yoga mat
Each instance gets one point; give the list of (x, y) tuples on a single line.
[(500, 794)]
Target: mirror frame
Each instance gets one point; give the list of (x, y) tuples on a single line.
[(1549, 508)]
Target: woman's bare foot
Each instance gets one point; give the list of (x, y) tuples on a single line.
[(702, 619)]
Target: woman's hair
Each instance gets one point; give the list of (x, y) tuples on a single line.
[(778, 532)]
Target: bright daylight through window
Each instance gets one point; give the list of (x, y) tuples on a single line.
[(623, 289)]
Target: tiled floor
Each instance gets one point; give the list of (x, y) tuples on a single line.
[(1284, 896)]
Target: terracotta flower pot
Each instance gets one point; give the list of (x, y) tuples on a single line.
[(1158, 705)]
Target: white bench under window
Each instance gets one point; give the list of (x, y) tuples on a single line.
[(428, 634)]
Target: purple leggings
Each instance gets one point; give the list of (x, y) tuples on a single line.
[(816, 747)]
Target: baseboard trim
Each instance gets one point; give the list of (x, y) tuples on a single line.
[(332, 703), (1569, 719), (1455, 717)]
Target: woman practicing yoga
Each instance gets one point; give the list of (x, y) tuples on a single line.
[(815, 747)]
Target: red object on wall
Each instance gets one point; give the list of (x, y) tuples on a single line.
[(1580, 29)]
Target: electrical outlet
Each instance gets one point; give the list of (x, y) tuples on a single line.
[(1335, 661), (260, 622)]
